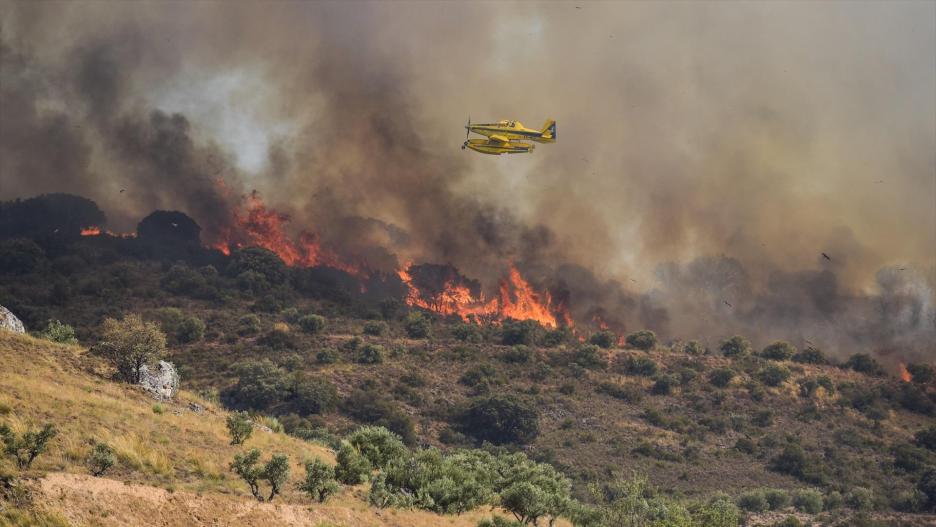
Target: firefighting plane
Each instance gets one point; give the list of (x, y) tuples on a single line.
[(503, 137)]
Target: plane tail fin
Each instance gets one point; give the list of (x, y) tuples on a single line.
[(549, 130)]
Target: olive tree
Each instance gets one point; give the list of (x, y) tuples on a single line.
[(129, 344)]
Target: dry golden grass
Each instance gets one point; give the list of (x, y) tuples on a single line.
[(184, 453)]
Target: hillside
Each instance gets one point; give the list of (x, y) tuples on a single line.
[(833, 440), (171, 466)]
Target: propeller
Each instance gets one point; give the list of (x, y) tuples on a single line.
[(467, 131)]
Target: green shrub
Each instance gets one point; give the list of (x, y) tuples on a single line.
[(627, 393), (807, 500), (810, 355), (604, 339), (636, 365), (26, 447), (239, 426), (100, 459), (319, 482), (417, 326), (275, 472), (909, 458), (926, 438), (370, 354), (860, 499), (129, 344), (590, 357), (555, 337), (774, 375), (376, 328), (370, 407), (777, 499), (257, 260), (694, 347), (352, 467), (518, 332), (664, 385), (378, 445), (718, 512), (915, 399), (312, 324), (927, 486), (735, 346), (642, 340), (499, 419), (326, 356), (779, 350), (789, 521), (721, 377), (480, 374), (864, 363), (260, 384), (518, 354), (762, 418), (753, 501), (467, 332), (499, 521), (248, 325), (921, 373), (312, 395), (58, 332)]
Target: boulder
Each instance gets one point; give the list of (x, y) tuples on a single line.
[(9, 322), (161, 381)]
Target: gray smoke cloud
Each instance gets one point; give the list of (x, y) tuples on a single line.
[(708, 153)]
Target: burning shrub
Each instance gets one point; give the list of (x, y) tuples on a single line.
[(735, 346), (499, 419), (62, 214), (864, 363), (774, 375), (644, 340), (604, 339), (779, 350), (375, 328), (260, 384), (810, 355), (312, 323), (370, 354), (312, 395), (130, 343), (519, 332), (19, 256), (418, 326), (258, 260)]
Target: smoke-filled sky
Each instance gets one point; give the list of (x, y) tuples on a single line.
[(707, 153)]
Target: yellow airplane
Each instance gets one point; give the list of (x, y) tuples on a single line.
[(502, 137)]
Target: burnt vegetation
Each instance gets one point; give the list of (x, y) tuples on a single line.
[(781, 429)]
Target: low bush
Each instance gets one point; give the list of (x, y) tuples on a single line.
[(664, 385), (248, 325), (499, 419), (417, 326), (777, 499), (57, 331), (352, 467), (627, 393), (735, 346), (926, 438), (519, 332), (860, 499), (101, 459), (467, 332), (636, 365), (590, 357), (313, 395), (721, 377), (312, 324), (604, 339), (694, 347), (810, 355), (518, 354), (774, 375), (260, 384), (808, 500), (376, 328), (370, 354), (864, 363), (779, 350), (642, 340), (378, 445), (753, 501)]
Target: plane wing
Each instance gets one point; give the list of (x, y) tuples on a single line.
[(499, 139)]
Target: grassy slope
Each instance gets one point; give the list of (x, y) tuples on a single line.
[(172, 467)]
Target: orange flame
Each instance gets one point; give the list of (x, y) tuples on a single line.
[(256, 225), (91, 231), (94, 230), (904, 374), (516, 299)]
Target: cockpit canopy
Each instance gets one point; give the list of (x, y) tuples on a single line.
[(509, 124)]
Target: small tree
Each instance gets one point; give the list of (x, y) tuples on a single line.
[(774, 375), (642, 340), (240, 427), (721, 377), (59, 332), (779, 350), (24, 449), (319, 482), (370, 354), (735, 346), (375, 328), (312, 395), (864, 363), (100, 459), (352, 467), (130, 343), (378, 445), (275, 472)]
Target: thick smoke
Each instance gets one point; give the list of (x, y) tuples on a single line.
[(707, 155)]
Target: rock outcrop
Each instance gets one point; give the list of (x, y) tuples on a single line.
[(161, 381), (9, 322)]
